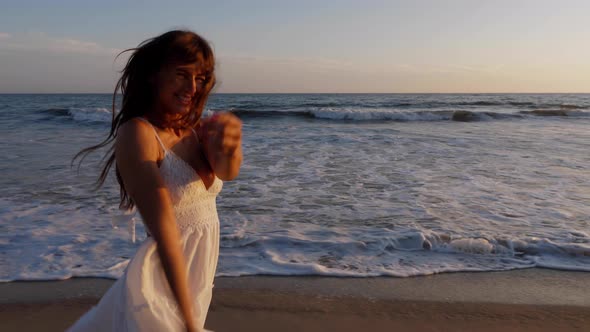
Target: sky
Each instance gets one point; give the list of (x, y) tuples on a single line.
[(431, 46)]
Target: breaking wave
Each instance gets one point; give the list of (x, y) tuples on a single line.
[(104, 115)]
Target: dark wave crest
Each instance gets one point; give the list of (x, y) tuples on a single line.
[(56, 111)]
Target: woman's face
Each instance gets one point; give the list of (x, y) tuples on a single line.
[(176, 87)]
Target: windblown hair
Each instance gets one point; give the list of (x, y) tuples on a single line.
[(135, 84)]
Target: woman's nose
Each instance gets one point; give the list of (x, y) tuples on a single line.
[(192, 86)]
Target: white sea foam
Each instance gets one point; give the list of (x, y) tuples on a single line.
[(304, 249), (55, 242), (64, 246), (364, 114), (91, 114)]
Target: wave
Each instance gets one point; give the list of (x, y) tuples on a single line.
[(361, 114), (520, 104), (482, 103), (417, 240), (263, 114), (384, 252), (556, 112), (526, 104), (352, 114), (443, 104), (56, 111), (91, 114), (338, 252), (570, 106), (104, 115)]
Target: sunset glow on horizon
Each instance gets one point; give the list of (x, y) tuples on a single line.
[(345, 47)]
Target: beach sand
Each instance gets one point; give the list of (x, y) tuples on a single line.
[(523, 300)]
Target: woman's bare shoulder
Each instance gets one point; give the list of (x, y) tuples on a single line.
[(134, 126), (137, 137)]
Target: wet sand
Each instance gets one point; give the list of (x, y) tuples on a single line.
[(524, 300)]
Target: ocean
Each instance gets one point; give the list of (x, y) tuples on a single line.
[(331, 184)]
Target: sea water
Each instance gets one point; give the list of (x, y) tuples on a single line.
[(331, 184)]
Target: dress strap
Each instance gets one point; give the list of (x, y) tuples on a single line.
[(195, 134), (155, 132)]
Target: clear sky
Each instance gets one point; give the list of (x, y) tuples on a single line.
[(309, 46)]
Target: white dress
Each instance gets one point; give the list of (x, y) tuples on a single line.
[(141, 300)]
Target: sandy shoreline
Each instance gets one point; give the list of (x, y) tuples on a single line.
[(531, 300)]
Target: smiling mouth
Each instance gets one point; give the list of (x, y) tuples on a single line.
[(185, 100)]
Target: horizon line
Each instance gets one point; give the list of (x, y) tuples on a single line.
[(310, 93)]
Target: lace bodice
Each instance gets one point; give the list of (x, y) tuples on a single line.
[(194, 204)]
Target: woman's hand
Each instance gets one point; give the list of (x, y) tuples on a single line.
[(221, 135)]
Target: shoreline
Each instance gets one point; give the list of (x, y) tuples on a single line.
[(531, 299)]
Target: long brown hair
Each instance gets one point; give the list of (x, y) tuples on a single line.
[(146, 60)]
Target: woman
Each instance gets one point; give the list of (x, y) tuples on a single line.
[(169, 164)]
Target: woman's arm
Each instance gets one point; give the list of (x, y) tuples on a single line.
[(136, 151), (222, 137)]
